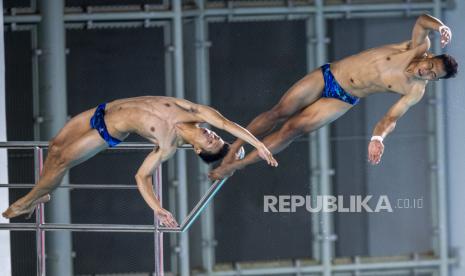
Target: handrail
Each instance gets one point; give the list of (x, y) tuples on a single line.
[(75, 186), (44, 144), (78, 227), (199, 207), (185, 225)]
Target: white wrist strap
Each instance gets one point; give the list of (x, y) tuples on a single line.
[(377, 138), (443, 27)]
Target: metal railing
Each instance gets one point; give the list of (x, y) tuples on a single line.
[(38, 148), (93, 16), (40, 226)]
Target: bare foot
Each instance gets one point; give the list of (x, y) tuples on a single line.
[(223, 171), (18, 208)]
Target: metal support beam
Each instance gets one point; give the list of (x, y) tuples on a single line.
[(181, 163), (53, 103), (441, 162), (202, 77), (198, 208), (313, 144), (158, 236), (171, 164), (44, 145), (122, 15), (369, 269), (119, 16), (308, 9), (5, 241), (324, 163), (238, 18), (40, 234), (35, 82)]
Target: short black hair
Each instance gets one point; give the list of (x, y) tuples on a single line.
[(210, 158), (450, 65)]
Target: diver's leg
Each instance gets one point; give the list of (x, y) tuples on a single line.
[(59, 160), (320, 113), (73, 129), (300, 95)]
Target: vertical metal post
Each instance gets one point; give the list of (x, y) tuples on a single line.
[(313, 145), (53, 103), (159, 259), (441, 161), (433, 166), (181, 155), (34, 5), (5, 237), (35, 82), (168, 44), (326, 235), (169, 88), (52, 65), (203, 97), (40, 218)]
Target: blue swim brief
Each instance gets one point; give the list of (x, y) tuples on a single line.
[(334, 90), (97, 122)]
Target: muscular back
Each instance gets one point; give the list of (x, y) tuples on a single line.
[(152, 117), (378, 69)]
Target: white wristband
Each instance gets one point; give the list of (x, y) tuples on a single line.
[(377, 138), (442, 28)]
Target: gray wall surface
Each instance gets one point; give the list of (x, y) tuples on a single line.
[(404, 170)]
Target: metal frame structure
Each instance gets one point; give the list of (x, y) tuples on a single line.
[(40, 226), (170, 15), (38, 157), (153, 15)]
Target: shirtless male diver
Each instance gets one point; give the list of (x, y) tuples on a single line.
[(167, 122), (325, 94)]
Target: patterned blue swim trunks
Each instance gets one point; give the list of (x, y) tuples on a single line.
[(97, 122), (334, 90)]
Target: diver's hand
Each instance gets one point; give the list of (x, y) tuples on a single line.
[(446, 35), (266, 155), (165, 218), (375, 151)]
